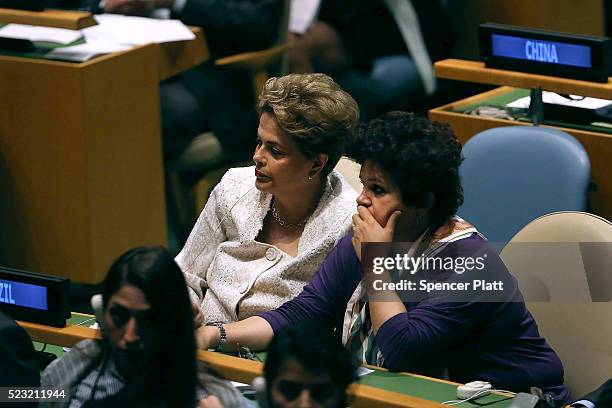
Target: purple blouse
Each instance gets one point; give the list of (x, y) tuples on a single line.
[(497, 342)]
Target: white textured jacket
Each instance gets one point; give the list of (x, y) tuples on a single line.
[(232, 275)]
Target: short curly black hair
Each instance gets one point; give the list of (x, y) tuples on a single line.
[(421, 157)]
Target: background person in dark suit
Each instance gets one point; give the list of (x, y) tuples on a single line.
[(210, 98), (230, 26), (18, 363), (207, 97), (600, 398)]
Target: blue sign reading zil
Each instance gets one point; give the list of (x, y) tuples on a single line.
[(23, 294), (551, 52)]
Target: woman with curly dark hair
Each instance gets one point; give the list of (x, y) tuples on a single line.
[(435, 298)]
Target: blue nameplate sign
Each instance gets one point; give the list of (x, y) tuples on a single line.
[(550, 52), (23, 294), (35, 297), (543, 52)]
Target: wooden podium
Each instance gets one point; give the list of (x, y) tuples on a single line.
[(81, 172), (597, 144)]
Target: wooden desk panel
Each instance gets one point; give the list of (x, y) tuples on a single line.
[(72, 20), (60, 336), (597, 145), (474, 71), (81, 172)]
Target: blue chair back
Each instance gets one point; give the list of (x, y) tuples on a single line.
[(515, 174)]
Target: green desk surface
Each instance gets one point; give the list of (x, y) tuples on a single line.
[(76, 319), (421, 387), (425, 388), (397, 382), (501, 100)]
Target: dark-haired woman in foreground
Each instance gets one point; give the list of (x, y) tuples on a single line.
[(146, 356), (410, 173)]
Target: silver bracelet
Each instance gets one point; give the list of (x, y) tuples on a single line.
[(222, 334)]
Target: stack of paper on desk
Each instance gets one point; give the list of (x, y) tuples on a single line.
[(37, 33), (302, 14), (555, 98), (128, 30), (113, 33), (86, 51), (572, 109)]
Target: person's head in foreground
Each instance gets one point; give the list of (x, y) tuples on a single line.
[(146, 357), (149, 324), (305, 121), (307, 366), (410, 165)]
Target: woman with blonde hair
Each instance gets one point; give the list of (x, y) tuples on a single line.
[(265, 229)]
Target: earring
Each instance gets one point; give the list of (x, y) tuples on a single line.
[(309, 177)]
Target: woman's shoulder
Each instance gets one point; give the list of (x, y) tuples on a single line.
[(240, 173), (471, 243), (71, 365), (83, 350), (340, 196), (235, 184), (341, 187), (474, 245), (332, 218), (457, 236), (238, 177)]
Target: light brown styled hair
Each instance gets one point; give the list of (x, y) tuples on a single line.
[(314, 111)]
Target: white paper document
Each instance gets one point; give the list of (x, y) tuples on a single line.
[(37, 33), (127, 30), (86, 51), (302, 14), (112, 34), (556, 99), (361, 371), (239, 384)]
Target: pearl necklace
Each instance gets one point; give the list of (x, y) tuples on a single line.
[(284, 223)]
